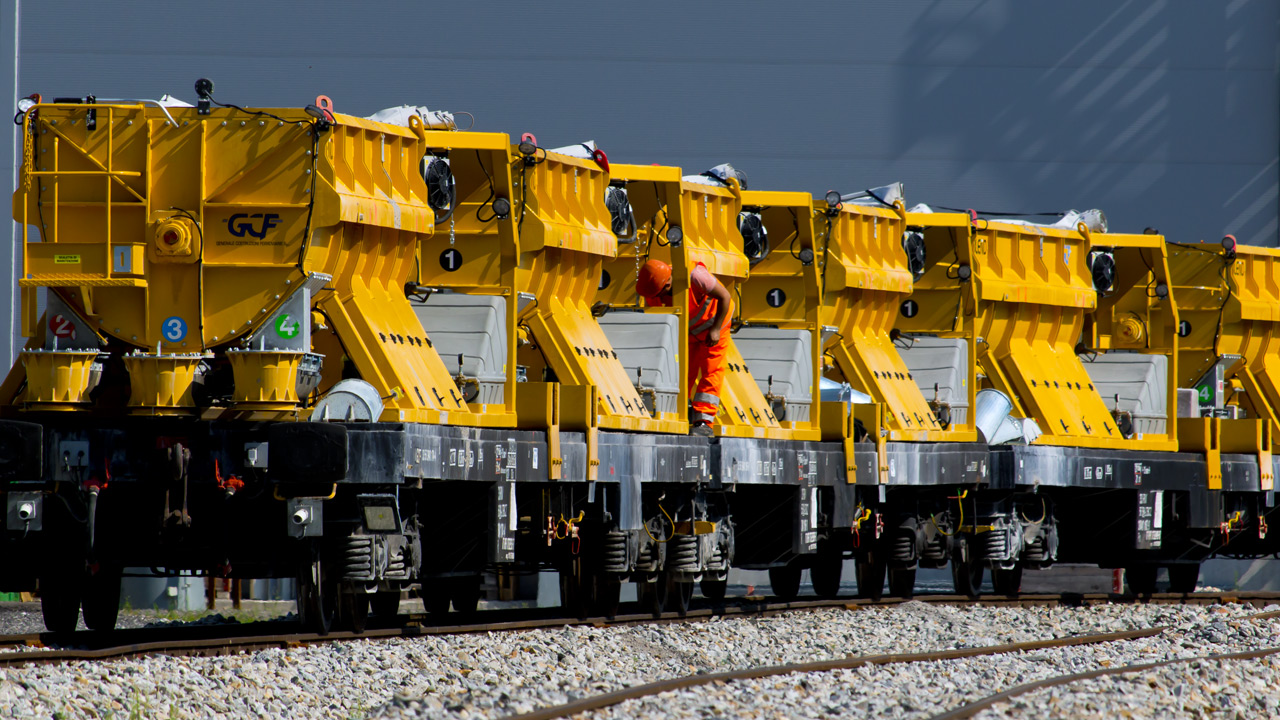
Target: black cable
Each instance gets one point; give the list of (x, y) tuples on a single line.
[(311, 201), (795, 236), (492, 191), (35, 151), (524, 193), (1142, 254), (1195, 246), (1222, 272), (826, 257), (243, 110), (200, 283)]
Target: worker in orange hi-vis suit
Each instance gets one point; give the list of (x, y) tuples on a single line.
[(709, 318)]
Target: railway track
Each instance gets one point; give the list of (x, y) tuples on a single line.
[(971, 709), (610, 699), (209, 640)]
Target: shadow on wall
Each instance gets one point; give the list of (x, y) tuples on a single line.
[(1148, 110)]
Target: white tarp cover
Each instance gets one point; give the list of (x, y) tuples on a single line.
[(399, 115), (579, 150)]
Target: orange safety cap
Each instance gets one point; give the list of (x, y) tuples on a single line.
[(654, 274)]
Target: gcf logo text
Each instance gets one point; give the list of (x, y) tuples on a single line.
[(256, 225)]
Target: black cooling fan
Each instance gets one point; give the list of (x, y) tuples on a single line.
[(615, 199), (913, 244), (755, 240), (1103, 267), (441, 192)]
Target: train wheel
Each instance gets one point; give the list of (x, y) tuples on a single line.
[(870, 571), (1183, 577), (1007, 582), (608, 594), (317, 597), (385, 603), (714, 589), (435, 598), (575, 590), (354, 603), (785, 581), (966, 570), (652, 594), (102, 598), (825, 574), (60, 601), (466, 594), (902, 582), (679, 593), (1141, 579)]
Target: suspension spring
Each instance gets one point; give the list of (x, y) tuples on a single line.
[(615, 551), (682, 553), (357, 558)]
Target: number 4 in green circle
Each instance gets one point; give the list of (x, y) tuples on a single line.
[(287, 327)]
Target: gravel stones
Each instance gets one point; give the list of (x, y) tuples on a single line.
[(494, 674)]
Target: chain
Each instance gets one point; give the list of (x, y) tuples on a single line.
[(28, 155)]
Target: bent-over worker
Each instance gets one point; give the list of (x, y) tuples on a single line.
[(709, 318)]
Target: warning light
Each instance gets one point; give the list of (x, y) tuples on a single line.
[(501, 207)]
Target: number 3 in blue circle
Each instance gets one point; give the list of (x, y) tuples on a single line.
[(173, 329)]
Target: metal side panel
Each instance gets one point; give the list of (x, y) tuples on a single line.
[(1050, 466), (630, 460), (776, 462), (937, 464), (1240, 473), (392, 452)]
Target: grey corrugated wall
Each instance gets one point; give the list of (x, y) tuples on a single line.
[(1162, 113)]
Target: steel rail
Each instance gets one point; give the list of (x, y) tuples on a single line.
[(970, 709), (680, 683), (218, 639)]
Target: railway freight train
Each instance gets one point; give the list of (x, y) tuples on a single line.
[(380, 354)]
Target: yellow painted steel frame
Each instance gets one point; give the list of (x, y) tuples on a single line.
[(866, 281), (1029, 292), (1230, 307), (788, 217), (1132, 316), (270, 201), (708, 217), (551, 248)]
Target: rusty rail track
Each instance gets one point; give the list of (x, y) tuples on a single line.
[(680, 683), (208, 640), (971, 709), (598, 702)]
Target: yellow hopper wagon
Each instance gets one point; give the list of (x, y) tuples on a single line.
[(378, 354)]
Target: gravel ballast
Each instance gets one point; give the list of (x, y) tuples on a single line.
[(494, 674)]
